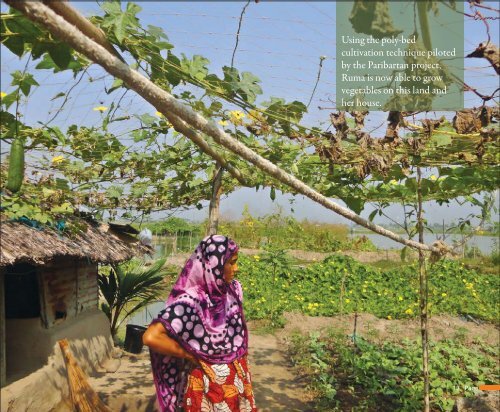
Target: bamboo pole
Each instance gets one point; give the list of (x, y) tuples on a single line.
[(214, 208), (424, 294), (165, 103), (63, 8)]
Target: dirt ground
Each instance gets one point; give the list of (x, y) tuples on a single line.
[(383, 330), (363, 257), (129, 386)]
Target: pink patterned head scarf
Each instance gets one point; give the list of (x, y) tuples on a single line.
[(204, 315)]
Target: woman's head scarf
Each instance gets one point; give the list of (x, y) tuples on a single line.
[(204, 314)]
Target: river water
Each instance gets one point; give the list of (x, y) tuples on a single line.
[(485, 244)]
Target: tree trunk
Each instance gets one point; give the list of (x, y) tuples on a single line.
[(214, 211), (424, 294)]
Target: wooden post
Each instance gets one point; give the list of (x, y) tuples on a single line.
[(214, 210), (424, 295), (3, 355)]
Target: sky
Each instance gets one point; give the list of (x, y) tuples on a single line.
[(279, 42)]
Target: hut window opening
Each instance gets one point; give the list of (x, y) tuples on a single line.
[(22, 298)]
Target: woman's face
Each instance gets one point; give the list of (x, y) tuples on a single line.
[(230, 268)]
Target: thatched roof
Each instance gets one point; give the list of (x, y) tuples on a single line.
[(95, 241)]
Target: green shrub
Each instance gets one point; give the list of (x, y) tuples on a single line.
[(388, 376)]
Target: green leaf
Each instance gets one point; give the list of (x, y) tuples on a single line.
[(120, 22), (24, 81), (147, 119), (114, 192), (9, 99), (58, 95), (8, 121), (441, 139), (62, 184), (61, 54), (65, 208), (46, 63), (272, 195), (173, 76), (116, 85), (249, 87), (372, 215), (403, 254), (196, 68), (356, 204), (157, 32), (15, 44)]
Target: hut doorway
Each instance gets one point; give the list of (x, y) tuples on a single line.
[(22, 319)]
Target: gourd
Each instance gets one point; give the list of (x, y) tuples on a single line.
[(16, 166)]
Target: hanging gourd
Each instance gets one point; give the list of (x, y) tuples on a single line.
[(16, 165)]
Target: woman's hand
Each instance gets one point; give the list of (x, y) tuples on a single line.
[(157, 339)]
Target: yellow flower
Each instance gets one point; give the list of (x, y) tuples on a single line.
[(159, 114), (347, 300), (3, 94), (100, 109), (256, 257), (469, 285), (400, 298), (389, 317), (236, 114), (433, 177), (57, 159), (409, 311), (236, 117), (443, 294), (223, 122), (393, 182)]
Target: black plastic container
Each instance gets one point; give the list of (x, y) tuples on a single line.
[(133, 338)]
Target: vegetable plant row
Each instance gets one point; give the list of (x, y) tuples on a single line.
[(341, 284)]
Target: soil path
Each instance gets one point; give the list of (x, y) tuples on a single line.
[(130, 387), (275, 386)]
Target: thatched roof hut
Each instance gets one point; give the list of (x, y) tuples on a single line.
[(94, 241), (49, 291)]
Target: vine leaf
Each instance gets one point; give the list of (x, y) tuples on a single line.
[(196, 68), (60, 54), (356, 204), (249, 87), (120, 21), (15, 45), (441, 139), (24, 81)]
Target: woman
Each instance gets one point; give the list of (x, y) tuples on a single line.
[(199, 342)]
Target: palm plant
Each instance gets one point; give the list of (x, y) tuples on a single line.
[(128, 287)]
